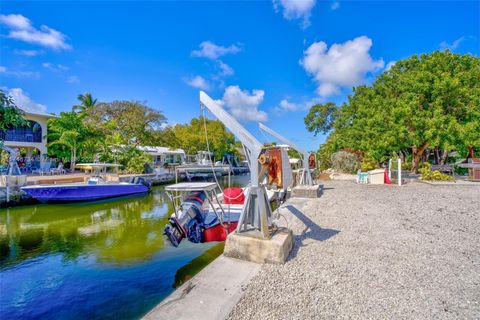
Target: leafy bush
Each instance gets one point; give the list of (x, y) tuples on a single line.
[(368, 163), (132, 159), (346, 162), (461, 171), (407, 166), (324, 155), (136, 164), (428, 174)]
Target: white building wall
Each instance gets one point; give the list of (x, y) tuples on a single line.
[(41, 146)]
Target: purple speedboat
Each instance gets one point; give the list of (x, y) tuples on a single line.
[(94, 189)]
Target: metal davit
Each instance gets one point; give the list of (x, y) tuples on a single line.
[(256, 213)]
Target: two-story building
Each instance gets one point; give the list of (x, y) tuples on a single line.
[(31, 137)]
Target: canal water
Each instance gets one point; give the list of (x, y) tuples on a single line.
[(105, 260)]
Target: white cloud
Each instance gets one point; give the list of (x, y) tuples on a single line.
[(23, 101), (286, 105), (15, 21), (53, 67), (342, 65), (390, 65), (73, 79), (296, 9), (212, 51), (198, 82), (29, 53), (243, 104), (21, 28), (452, 46), (335, 5), (225, 69), (19, 74)]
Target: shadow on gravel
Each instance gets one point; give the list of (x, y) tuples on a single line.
[(311, 231)]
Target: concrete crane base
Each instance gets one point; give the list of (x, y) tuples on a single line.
[(306, 191), (248, 246)]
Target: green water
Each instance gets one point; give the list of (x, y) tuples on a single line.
[(93, 260)]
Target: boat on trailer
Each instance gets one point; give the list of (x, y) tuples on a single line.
[(98, 186)]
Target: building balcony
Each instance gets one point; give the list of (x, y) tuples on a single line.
[(21, 135)]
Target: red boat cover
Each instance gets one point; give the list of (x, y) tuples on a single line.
[(217, 233), (233, 196)]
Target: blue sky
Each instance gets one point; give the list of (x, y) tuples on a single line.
[(264, 61)]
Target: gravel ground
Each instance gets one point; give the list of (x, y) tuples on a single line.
[(375, 252)]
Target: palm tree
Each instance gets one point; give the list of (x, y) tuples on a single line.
[(70, 139), (86, 103), (67, 130)]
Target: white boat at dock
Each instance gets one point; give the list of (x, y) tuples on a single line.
[(203, 167)]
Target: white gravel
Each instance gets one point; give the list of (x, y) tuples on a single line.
[(375, 252)]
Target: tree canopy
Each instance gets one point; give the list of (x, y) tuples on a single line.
[(425, 101), (110, 131), (87, 102), (191, 137), (67, 135), (129, 119), (10, 114)]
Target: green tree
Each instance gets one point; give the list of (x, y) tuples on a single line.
[(191, 137), (10, 114), (87, 103), (130, 119), (426, 101), (321, 117), (67, 135)]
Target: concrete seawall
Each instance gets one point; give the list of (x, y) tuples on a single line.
[(211, 294)]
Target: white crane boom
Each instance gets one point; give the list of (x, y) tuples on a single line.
[(306, 178), (256, 210), (253, 146)]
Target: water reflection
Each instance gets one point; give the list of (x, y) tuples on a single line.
[(94, 260), (124, 231)]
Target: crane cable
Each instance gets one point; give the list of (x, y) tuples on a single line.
[(209, 156), (225, 226), (202, 107), (208, 147)]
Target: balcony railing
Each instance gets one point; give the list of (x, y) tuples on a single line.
[(21, 135)]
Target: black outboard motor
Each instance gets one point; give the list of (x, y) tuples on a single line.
[(141, 180), (190, 221)]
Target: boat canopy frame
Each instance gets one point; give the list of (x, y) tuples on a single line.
[(98, 170), (175, 192)]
